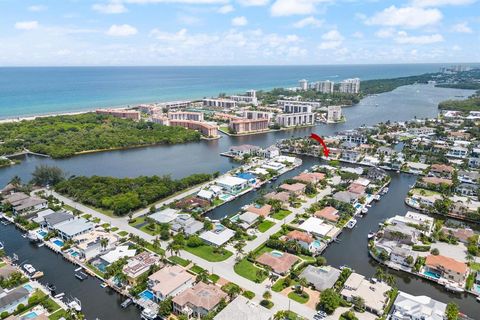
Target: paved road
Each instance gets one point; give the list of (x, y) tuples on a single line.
[(225, 268)]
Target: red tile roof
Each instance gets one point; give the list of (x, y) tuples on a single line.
[(328, 213), (446, 263)]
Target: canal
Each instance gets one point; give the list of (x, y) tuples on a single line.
[(97, 302)]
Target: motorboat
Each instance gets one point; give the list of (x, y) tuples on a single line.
[(2, 246), (75, 304), (364, 210), (32, 236), (104, 285), (478, 299), (29, 268), (126, 303), (51, 287), (81, 276), (371, 235), (38, 275), (41, 244), (78, 269), (148, 314), (351, 223), (385, 191), (376, 197), (59, 296), (454, 288)]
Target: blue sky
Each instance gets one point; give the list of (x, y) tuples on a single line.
[(237, 32)]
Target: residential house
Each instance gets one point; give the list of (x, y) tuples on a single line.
[(94, 243), (232, 184), (165, 216), (169, 282), (218, 236), (467, 189), (138, 265), (321, 277), (328, 213), (462, 234), (294, 189), (310, 177), (350, 155), (271, 152), (187, 224), (357, 189), (317, 227), (305, 240), (10, 300), (242, 308), (247, 219), (402, 234), (447, 268), (375, 294), (410, 307), (246, 149), (400, 255), (72, 228), (283, 196), (346, 196), (434, 182), (442, 170), (199, 300), (263, 211), (457, 152), (279, 262), (51, 220), (376, 174)]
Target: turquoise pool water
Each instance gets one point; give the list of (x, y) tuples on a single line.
[(42, 233), (28, 287), (432, 274), (58, 243), (276, 254), (30, 315), (147, 295), (317, 244)]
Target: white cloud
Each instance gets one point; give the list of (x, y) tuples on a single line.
[(177, 1), (251, 3), (121, 30), (26, 25), (404, 38), (407, 17), (226, 9), (239, 21), (292, 7), (331, 40), (462, 28), (385, 33), (109, 8), (37, 8), (309, 21), (438, 3), (358, 35)]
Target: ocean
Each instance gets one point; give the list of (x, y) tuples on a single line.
[(26, 91)]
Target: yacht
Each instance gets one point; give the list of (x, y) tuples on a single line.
[(364, 210), (29, 269), (148, 314), (454, 288), (351, 223), (75, 304), (371, 235), (126, 303), (478, 299), (81, 276), (32, 236), (384, 191), (59, 296)]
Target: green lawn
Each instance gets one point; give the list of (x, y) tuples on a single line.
[(425, 192), (114, 229), (217, 202), (248, 270), (58, 315), (214, 278), (248, 294), (2, 264), (265, 225), (208, 253), (300, 298), (196, 269), (123, 233), (179, 261), (280, 285), (281, 214), (157, 250), (474, 266)]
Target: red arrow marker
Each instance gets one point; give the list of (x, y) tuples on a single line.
[(320, 140)]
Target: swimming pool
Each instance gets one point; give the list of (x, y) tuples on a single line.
[(276, 254), (42, 233), (100, 265), (219, 227), (431, 274), (28, 287), (358, 205), (58, 243), (30, 315), (74, 254), (317, 244), (147, 295)]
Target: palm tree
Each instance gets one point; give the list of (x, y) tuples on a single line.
[(171, 248), (303, 283), (267, 295), (202, 276), (104, 243), (156, 243)]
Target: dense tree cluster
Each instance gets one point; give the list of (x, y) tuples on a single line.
[(64, 136), (123, 195), (470, 104)]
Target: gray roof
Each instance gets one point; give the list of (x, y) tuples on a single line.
[(345, 196), (322, 278), (57, 217), (28, 203), (74, 227), (243, 309), (15, 295)]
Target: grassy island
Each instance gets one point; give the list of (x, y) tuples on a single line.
[(123, 195), (67, 135), (470, 104)]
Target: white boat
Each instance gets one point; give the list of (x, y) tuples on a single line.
[(478, 299), (78, 269), (351, 223), (371, 235), (41, 244), (103, 285), (376, 197), (364, 210), (32, 236), (454, 288), (2, 246), (29, 268), (59, 296), (149, 314), (384, 191), (75, 304)]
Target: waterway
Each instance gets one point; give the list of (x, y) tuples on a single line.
[(97, 302), (180, 160)]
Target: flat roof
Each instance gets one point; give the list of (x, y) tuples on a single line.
[(316, 226), (243, 309), (74, 227)]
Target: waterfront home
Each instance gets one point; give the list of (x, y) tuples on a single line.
[(94, 243), (375, 294), (446, 267), (232, 185), (328, 213), (346, 196), (416, 220), (273, 165), (282, 196), (165, 216), (357, 189), (354, 136), (385, 151), (206, 195), (458, 136), (279, 262), (417, 167), (244, 150), (218, 235), (317, 227), (8, 189), (72, 228), (441, 170), (271, 152), (262, 211), (294, 189), (376, 174), (9, 301), (192, 203), (350, 155), (425, 200), (421, 131), (400, 255), (457, 152), (247, 219), (187, 224), (310, 177), (401, 233), (321, 277), (469, 176), (7, 270), (434, 183), (199, 300), (169, 282), (242, 308), (118, 253), (22, 203), (51, 220), (461, 234), (139, 265), (474, 162), (305, 240), (38, 217), (410, 307)]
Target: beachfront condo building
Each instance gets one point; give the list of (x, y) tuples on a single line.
[(326, 86), (282, 103), (303, 85), (184, 115), (255, 115), (249, 98), (350, 86), (295, 119), (240, 126), (120, 113), (334, 113), (219, 103)]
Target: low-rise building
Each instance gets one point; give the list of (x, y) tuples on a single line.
[(219, 103), (321, 277), (310, 177), (9, 301), (199, 300), (316, 227), (306, 241), (94, 243), (139, 265), (294, 189), (447, 268), (242, 308), (242, 126), (169, 282), (73, 228), (410, 307), (51, 220), (231, 184), (218, 235), (375, 294), (279, 262), (402, 255), (328, 213)]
